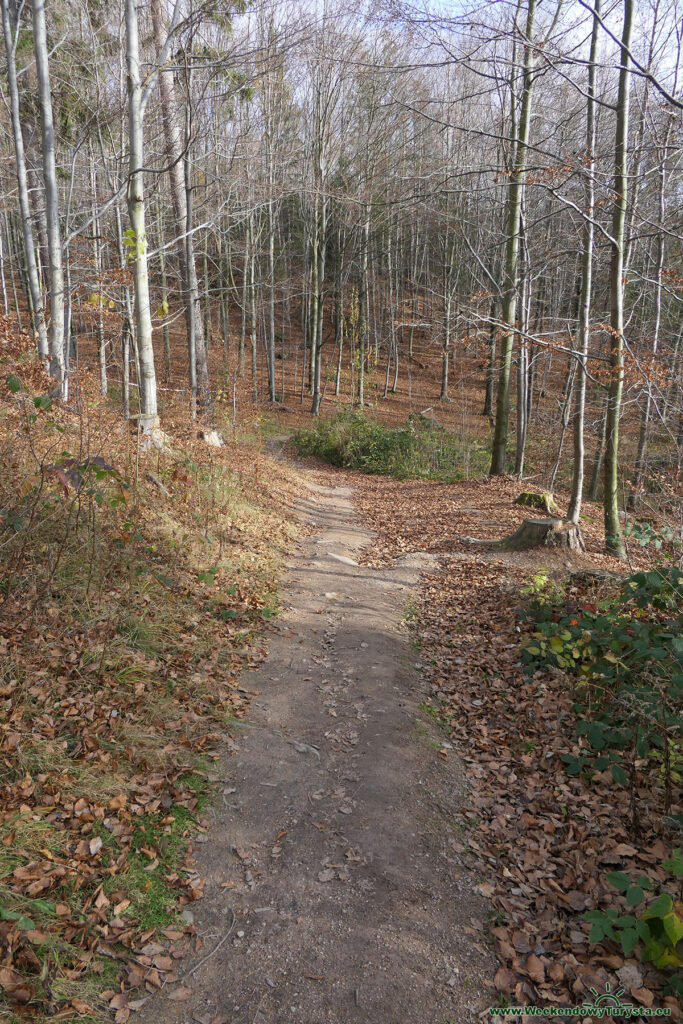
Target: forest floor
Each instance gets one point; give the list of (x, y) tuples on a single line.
[(396, 840), (333, 892), (382, 833)]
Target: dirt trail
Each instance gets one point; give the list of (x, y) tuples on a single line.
[(348, 904)]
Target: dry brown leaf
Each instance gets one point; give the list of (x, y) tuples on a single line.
[(504, 980), (14, 985), (180, 994), (535, 969), (80, 1006), (644, 996)]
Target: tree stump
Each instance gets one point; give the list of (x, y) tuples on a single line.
[(542, 500), (545, 533)]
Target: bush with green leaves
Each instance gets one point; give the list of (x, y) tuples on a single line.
[(626, 654), (656, 932), (662, 539), (420, 449)]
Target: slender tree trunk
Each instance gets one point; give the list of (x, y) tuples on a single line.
[(315, 300), (165, 330), (125, 368), (179, 168), (22, 183), (613, 534), (339, 315), (56, 270), (223, 258), (271, 294), (3, 282), (491, 366), (13, 258), (514, 210), (641, 456), (245, 296), (675, 387), (147, 383), (101, 341), (340, 351), (208, 326), (596, 472), (574, 512), (445, 356), (193, 312), (252, 309), (319, 306), (362, 307)]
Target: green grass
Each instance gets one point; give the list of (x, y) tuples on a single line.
[(420, 450), (431, 712), (152, 898)]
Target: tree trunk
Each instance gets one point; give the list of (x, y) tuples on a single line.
[(547, 533), (613, 535), (192, 292), (56, 270), (3, 282), (445, 356), (514, 210), (362, 307), (245, 298), (22, 183), (574, 513), (178, 170), (147, 384), (165, 330), (641, 456), (491, 365), (101, 341)]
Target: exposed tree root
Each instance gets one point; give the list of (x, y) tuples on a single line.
[(537, 533)]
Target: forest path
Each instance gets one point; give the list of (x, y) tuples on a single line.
[(345, 901)]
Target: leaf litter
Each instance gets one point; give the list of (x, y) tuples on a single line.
[(121, 657), (542, 840)]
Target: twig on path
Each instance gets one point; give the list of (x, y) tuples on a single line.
[(215, 949)]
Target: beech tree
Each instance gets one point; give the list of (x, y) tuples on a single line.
[(340, 219), (138, 235), (52, 217)]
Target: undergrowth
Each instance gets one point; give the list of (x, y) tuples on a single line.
[(421, 449), (133, 590), (624, 657)]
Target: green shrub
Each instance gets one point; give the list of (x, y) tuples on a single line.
[(656, 932), (627, 656), (421, 449)]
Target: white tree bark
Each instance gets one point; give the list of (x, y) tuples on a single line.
[(574, 512), (22, 183), (136, 213), (54, 244), (178, 169), (614, 539)]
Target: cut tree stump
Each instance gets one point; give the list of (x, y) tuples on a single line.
[(545, 533), (537, 533), (542, 500)]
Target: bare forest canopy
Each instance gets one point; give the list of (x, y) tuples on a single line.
[(305, 203)]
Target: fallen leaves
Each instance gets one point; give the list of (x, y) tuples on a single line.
[(179, 994), (120, 672), (543, 840), (551, 837), (14, 985)]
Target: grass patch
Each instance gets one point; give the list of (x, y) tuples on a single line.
[(421, 449)]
